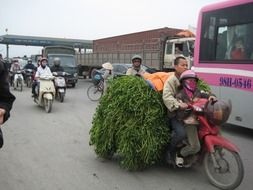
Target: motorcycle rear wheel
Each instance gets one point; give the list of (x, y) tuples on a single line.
[(229, 173)]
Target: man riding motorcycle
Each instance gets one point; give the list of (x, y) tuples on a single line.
[(59, 80), (57, 65), (29, 70), (29, 65), (136, 66)]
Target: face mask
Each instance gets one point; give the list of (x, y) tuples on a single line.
[(43, 65), (190, 85)]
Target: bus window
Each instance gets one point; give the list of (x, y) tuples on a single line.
[(219, 32), (221, 46)]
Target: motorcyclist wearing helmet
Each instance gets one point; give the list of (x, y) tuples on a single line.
[(136, 66), (189, 93), (15, 66), (57, 65), (42, 70), (29, 65)]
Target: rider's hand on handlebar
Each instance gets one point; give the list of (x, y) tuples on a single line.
[(182, 105)]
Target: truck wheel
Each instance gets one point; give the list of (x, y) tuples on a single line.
[(73, 85)]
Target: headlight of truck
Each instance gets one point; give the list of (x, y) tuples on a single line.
[(75, 74)]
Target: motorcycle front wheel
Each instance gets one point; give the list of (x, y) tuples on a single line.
[(48, 105), (224, 168)]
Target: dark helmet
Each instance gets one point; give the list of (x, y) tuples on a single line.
[(188, 74), (218, 112), (57, 62), (136, 57)]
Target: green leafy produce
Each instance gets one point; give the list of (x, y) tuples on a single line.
[(203, 86), (130, 121)]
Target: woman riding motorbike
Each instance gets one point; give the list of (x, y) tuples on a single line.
[(189, 93)]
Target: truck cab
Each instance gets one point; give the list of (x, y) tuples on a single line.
[(178, 47), (68, 61)]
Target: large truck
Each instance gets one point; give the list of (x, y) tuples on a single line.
[(68, 61), (158, 49)]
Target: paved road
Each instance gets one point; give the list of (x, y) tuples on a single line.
[(51, 152)]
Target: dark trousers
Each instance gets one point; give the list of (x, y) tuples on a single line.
[(35, 83), (178, 134)]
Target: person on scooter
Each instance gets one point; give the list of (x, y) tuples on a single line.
[(136, 69), (189, 93), (170, 90), (14, 68), (42, 70), (30, 66), (57, 66), (6, 97)]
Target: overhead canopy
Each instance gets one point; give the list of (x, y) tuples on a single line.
[(44, 41)]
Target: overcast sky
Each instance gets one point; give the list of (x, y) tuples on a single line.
[(92, 19)]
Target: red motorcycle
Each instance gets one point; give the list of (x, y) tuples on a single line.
[(222, 162)]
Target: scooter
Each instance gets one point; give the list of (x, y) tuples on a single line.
[(18, 80), (222, 162), (46, 93), (29, 74), (60, 85)]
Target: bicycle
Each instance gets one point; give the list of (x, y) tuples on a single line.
[(96, 90)]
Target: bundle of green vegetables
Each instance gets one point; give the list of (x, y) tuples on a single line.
[(130, 122)]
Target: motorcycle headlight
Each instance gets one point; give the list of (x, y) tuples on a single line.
[(75, 74), (198, 109)]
